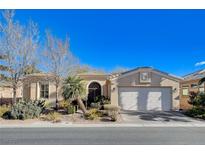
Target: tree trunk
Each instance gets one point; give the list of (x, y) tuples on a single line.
[(81, 105), (56, 97), (14, 95)]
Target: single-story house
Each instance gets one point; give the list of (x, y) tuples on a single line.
[(140, 89), (188, 84)]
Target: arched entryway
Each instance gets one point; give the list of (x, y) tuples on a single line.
[(94, 90)]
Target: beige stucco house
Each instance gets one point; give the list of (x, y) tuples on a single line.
[(140, 89), (40, 86)]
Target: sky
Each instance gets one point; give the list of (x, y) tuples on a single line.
[(169, 40)]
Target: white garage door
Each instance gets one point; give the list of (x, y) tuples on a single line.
[(145, 99)]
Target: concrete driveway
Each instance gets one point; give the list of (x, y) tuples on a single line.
[(150, 118)]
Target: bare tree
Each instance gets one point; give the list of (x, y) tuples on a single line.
[(119, 69), (18, 43), (3, 68), (87, 69), (30, 69), (60, 61)]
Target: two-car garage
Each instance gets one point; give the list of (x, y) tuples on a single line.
[(145, 98), (146, 89)]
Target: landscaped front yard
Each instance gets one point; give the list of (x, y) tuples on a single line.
[(64, 119), (40, 111)]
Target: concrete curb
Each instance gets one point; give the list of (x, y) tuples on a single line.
[(70, 125)]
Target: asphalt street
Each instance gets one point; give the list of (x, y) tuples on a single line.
[(103, 136)]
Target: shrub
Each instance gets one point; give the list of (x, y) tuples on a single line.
[(52, 116), (113, 115), (197, 99), (93, 114), (43, 104), (195, 112), (46, 105), (71, 109), (63, 104), (4, 109), (112, 111), (102, 100), (203, 116), (26, 110)]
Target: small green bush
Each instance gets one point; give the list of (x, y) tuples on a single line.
[(195, 112), (52, 116), (45, 104), (93, 114), (102, 100), (26, 110), (63, 104), (7, 115), (197, 99), (71, 109), (4, 109)]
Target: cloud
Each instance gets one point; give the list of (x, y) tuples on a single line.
[(200, 63)]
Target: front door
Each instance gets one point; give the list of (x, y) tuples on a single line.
[(94, 90)]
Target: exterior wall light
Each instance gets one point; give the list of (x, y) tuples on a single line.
[(174, 90), (113, 89)]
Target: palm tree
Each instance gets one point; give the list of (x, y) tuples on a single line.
[(74, 89), (202, 80)]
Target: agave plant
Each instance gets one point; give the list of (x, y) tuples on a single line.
[(74, 89)]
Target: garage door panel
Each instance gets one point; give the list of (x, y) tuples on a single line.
[(166, 99), (154, 100), (144, 99), (131, 97)]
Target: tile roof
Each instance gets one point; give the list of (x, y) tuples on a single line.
[(195, 75), (4, 83), (151, 68)]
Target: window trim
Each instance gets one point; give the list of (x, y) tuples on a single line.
[(202, 87), (143, 74), (194, 85), (185, 87), (44, 90)]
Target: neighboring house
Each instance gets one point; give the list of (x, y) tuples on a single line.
[(6, 92), (190, 83), (32, 87), (140, 89), (40, 86)]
